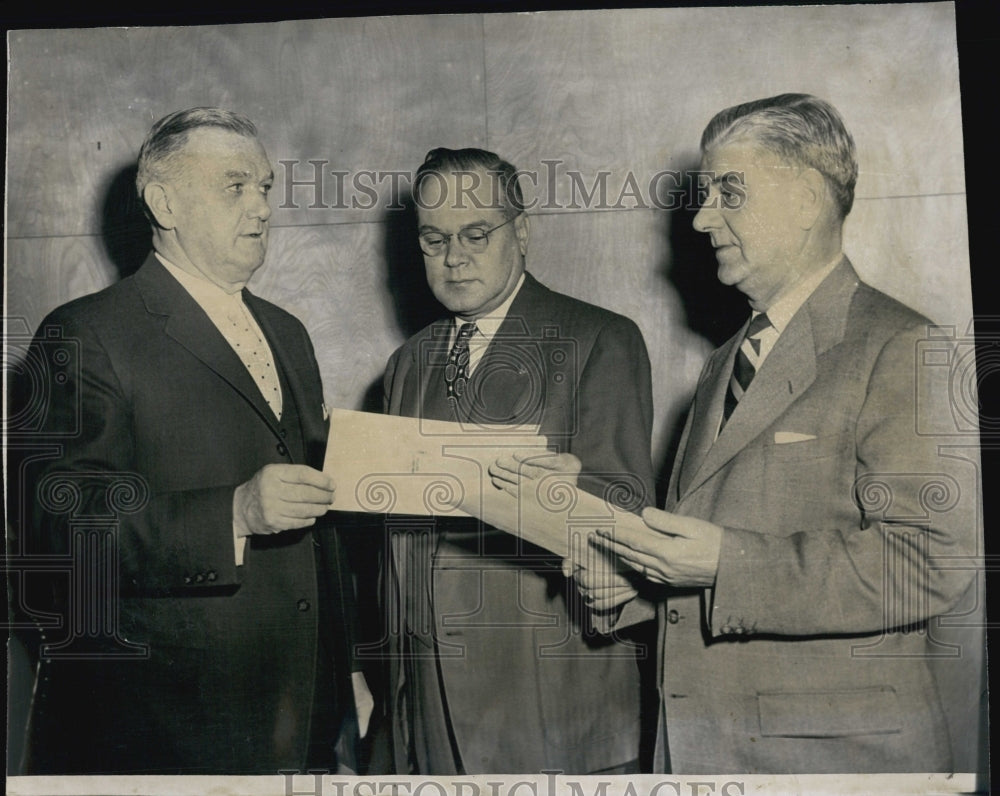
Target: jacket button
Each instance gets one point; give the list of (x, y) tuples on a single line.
[(284, 433), (187, 580), (303, 605), (199, 578), (210, 576), (672, 616), (282, 449)]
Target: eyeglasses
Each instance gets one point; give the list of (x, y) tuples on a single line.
[(473, 240)]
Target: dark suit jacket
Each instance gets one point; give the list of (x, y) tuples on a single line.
[(845, 507), (203, 666), (506, 675)]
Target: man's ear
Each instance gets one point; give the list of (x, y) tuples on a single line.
[(157, 198), (812, 195), (522, 228)]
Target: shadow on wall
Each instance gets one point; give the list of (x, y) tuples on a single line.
[(414, 306), (712, 310), (124, 227)]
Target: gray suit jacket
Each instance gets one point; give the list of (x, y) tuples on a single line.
[(502, 670), (842, 505)]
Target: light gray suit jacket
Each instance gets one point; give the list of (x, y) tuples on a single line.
[(844, 509)]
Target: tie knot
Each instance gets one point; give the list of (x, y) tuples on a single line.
[(465, 331), (758, 324)]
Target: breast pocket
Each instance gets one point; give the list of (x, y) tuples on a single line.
[(802, 478)]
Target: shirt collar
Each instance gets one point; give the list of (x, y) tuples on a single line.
[(781, 312), (488, 325), (206, 293)]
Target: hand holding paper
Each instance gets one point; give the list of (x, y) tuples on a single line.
[(280, 497), (530, 464), (669, 548), (599, 576)]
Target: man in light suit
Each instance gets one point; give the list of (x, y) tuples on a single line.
[(187, 420), (496, 668), (822, 509)]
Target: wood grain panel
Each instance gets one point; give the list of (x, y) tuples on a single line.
[(916, 250), (623, 261), (43, 273), (363, 94), (633, 90)]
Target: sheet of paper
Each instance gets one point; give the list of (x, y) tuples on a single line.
[(552, 513), (405, 465)]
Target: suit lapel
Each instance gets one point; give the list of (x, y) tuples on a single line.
[(509, 362), (190, 327), (706, 411), (786, 374), (430, 401)]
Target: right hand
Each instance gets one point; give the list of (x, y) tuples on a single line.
[(598, 576), (281, 497)]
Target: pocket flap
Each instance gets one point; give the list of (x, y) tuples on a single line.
[(818, 714)]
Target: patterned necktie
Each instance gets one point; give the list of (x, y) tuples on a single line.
[(456, 372), (746, 363), (253, 350)]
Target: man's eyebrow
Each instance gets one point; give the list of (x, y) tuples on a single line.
[(242, 174), (470, 225)]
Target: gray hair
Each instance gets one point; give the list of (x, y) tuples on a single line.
[(800, 129), (169, 135)]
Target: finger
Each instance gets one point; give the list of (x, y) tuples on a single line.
[(663, 521), (303, 493), (610, 603), (550, 460), (499, 471), (279, 524), (635, 536), (292, 512), (505, 486), (303, 474), (603, 601), (628, 555), (506, 462)]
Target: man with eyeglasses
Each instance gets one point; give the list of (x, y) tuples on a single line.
[(496, 668)]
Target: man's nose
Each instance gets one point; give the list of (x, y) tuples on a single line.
[(707, 217), (260, 206), (454, 252)]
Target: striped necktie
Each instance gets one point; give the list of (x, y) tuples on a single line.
[(456, 372), (746, 363)]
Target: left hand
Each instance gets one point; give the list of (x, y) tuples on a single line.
[(671, 549), (530, 464)]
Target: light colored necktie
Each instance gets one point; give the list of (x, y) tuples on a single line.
[(745, 365), (251, 347)]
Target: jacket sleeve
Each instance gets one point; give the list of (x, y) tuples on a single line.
[(905, 551), (166, 541), (614, 412)]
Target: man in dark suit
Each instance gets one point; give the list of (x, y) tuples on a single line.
[(189, 425), (822, 509), (496, 668)]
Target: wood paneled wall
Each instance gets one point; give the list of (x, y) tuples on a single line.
[(622, 92)]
